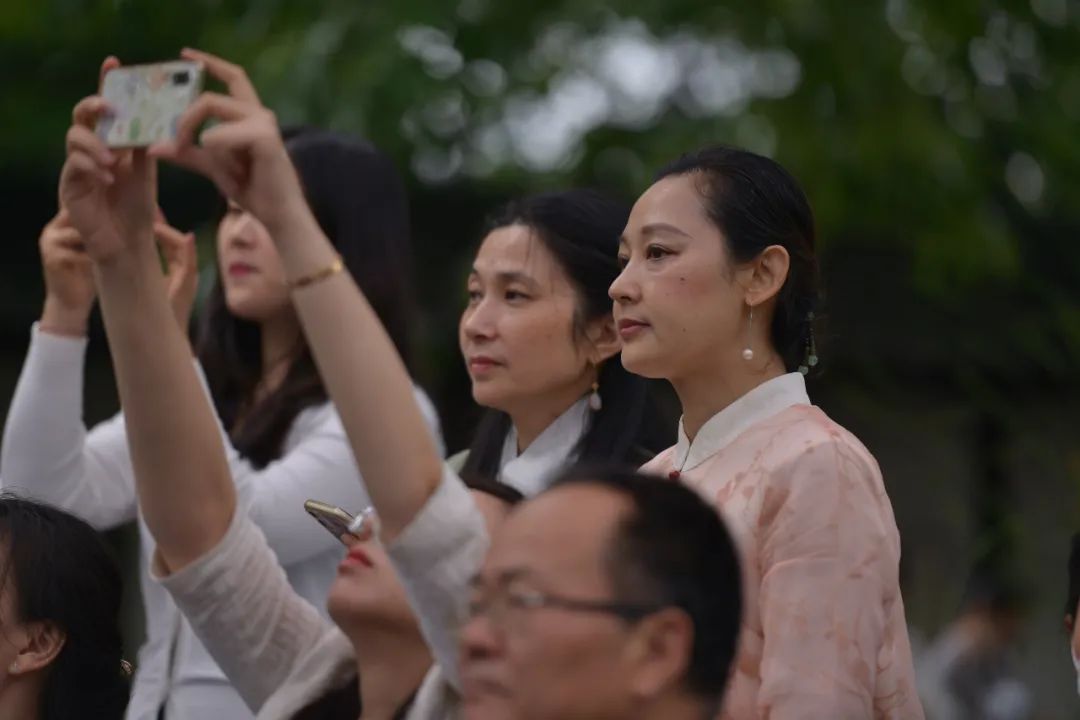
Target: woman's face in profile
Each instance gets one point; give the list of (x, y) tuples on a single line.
[(367, 590), (517, 333), (678, 306), (251, 271)]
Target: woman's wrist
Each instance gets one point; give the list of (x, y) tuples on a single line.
[(129, 278), (304, 249), (132, 260), (60, 318)]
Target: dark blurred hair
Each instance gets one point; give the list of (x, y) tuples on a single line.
[(341, 703), (60, 573), (359, 201), (756, 203), (673, 550), (1074, 577), (581, 229)]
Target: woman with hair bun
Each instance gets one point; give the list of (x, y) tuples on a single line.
[(717, 295)]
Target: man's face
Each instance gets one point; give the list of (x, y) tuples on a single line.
[(535, 661)]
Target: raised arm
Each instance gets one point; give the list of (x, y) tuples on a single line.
[(246, 158), (47, 451), (181, 476)]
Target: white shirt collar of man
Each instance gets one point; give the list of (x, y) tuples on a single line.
[(532, 471), (761, 403)]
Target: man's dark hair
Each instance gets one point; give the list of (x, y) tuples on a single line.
[(673, 550)]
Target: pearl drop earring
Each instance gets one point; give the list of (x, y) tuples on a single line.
[(748, 353)]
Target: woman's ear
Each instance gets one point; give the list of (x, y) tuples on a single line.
[(603, 338), (40, 643), (764, 276)]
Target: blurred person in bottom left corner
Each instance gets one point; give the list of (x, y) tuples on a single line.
[(61, 652)]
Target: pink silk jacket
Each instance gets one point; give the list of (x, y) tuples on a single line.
[(823, 632)]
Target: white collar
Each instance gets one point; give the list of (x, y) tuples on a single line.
[(532, 470), (761, 403)]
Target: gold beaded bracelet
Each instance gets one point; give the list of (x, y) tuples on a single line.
[(319, 275)]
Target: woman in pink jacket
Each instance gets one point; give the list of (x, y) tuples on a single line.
[(717, 295)]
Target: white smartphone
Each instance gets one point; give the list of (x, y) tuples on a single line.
[(146, 101)]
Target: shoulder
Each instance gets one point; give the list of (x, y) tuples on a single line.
[(322, 417), (822, 488), (805, 431), (662, 464), (317, 428), (808, 458)]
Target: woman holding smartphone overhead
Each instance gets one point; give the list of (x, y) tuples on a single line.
[(283, 657), (285, 442)]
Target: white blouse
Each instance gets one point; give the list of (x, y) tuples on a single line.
[(531, 471), (48, 454)]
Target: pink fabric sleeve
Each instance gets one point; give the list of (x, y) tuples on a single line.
[(829, 554)]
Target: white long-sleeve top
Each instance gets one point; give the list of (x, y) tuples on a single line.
[(48, 454)]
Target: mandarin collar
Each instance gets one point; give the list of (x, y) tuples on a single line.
[(531, 471), (767, 399)]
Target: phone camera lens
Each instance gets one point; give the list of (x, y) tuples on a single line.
[(181, 78)]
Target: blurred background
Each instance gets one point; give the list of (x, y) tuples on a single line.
[(938, 142)]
